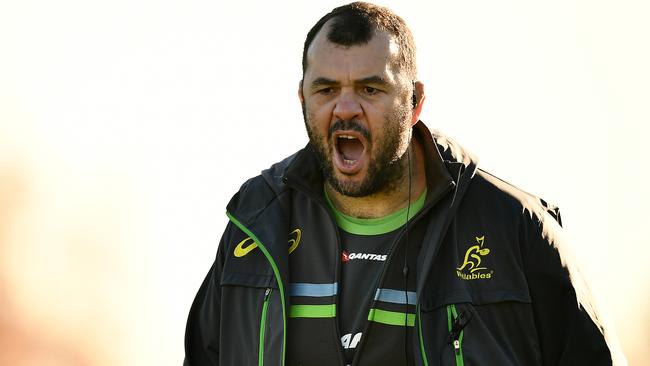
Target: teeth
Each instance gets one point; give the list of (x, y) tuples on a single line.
[(348, 162), (348, 137)]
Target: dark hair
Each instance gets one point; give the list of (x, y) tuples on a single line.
[(355, 24)]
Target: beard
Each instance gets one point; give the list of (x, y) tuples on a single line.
[(387, 165)]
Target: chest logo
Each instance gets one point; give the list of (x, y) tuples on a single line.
[(350, 340), (241, 250), (471, 268), (294, 240), (346, 257), (248, 244)]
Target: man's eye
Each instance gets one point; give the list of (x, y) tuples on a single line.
[(326, 91), (370, 90)]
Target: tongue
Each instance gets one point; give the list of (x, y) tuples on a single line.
[(351, 149)]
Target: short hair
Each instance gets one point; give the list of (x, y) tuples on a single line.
[(355, 23)]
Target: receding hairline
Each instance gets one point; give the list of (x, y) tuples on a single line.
[(354, 23), (322, 36)]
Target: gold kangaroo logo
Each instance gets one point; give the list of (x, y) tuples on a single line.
[(473, 256), (241, 250)]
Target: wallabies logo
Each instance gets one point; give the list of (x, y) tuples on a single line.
[(471, 268)]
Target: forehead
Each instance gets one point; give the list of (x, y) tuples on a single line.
[(375, 58)]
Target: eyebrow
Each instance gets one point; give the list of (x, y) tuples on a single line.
[(374, 80), (323, 82)]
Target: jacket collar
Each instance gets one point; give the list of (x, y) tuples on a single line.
[(443, 161)]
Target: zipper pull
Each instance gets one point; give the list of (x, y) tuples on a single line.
[(461, 321), (457, 327), (457, 345), (267, 293)]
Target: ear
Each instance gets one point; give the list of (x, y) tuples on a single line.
[(419, 101), (300, 96)]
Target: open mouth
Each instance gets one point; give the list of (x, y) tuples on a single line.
[(350, 149)]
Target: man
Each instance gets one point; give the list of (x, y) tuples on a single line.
[(381, 243)]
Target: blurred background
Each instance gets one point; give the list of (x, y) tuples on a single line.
[(125, 127)]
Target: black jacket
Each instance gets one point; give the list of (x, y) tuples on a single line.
[(494, 286)]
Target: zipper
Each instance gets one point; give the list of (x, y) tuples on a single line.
[(265, 307), (455, 324), (423, 352), (276, 272)]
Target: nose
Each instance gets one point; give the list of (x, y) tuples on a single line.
[(347, 107)]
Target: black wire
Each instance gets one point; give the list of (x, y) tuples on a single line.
[(405, 270)]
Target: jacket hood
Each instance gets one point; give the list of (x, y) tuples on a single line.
[(446, 163)]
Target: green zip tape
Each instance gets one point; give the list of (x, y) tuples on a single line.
[(275, 271), (452, 314), (422, 350), (265, 308)]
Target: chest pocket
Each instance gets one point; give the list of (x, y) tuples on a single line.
[(476, 308), (497, 332), (251, 312)]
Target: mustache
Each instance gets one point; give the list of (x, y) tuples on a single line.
[(351, 125)]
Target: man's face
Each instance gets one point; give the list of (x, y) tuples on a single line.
[(358, 113)]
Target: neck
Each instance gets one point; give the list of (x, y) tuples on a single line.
[(381, 204)]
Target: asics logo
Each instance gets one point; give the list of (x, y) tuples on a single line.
[(248, 244), (241, 250)]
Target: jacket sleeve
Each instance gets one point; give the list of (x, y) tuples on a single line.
[(203, 323), (567, 323)]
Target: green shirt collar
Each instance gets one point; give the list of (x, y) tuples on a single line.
[(381, 225)]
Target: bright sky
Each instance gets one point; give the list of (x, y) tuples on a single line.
[(127, 126)]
